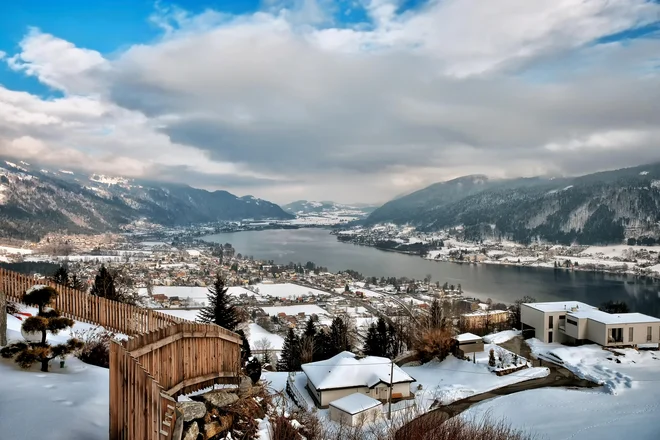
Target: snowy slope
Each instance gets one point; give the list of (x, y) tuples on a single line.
[(64, 404)]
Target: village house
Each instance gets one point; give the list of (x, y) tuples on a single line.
[(575, 322), (355, 410), (484, 319), (345, 374)]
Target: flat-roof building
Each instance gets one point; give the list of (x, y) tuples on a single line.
[(576, 322)]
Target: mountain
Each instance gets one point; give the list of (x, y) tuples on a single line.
[(34, 201), (305, 207), (605, 207)]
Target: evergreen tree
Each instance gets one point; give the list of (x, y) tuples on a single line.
[(253, 369), (339, 340), (323, 344), (372, 342), (310, 328), (220, 310), (435, 314), (394, 343), (290, 358), (491, 357), (104, 285), (47, 320), (63, 277), (246, 351)]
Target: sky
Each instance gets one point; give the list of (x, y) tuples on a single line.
[(348, 100)]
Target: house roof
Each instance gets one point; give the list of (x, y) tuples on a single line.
[(355, 403), (614, 318), (345, 371), (560, 306), (467, 337)]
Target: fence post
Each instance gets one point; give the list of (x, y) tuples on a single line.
[(3, 317)]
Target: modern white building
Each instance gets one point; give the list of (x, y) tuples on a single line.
[(345, 374), (355, 409), (575, 322)]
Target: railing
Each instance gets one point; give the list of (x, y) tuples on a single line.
[(81, 306), (297, 396), (163, 357)]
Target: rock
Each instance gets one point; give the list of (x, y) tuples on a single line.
[(245, 387), (191, 433), (192, 410), (219, 398), (212, 429)]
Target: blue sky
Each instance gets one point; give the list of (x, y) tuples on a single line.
[(285, 104)]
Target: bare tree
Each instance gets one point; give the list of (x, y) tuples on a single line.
[(262, 348)]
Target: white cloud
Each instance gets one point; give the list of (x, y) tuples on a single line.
[(268, 104)]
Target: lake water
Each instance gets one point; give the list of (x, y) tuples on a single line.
[(500, 283)]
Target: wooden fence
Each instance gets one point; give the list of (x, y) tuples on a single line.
[(163, 357), (81, 306)]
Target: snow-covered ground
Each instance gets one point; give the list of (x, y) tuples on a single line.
[(307, 309), (454, 379), (257, 333), (626, 407), (190, 315), (70, 403), (196, 293), (498, 338), (287, 290), (14, 250)]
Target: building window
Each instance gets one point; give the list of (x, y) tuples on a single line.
[(551, 322), (616, 335), (571, 321), (630, 334), (649, 334)]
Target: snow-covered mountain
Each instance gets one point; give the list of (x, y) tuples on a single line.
[(35, 200), (306, 207), (606, 207)]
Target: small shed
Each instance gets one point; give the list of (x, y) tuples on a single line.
[(468, 343), (355, 409)]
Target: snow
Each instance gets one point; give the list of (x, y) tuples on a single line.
[(615, 251), (643, 173), (71, 403), (454, 379), (655, 268), (595, 414), (465, 337), (499, 338), (560, 306), (14, 250), (345, 370), (190, 315), (196, 293), (66, 172), (307, 309), (287, 290), (276, 380), (257, 333), (355, 403), (621, 318)]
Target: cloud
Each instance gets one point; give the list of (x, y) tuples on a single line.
[(273, 104)]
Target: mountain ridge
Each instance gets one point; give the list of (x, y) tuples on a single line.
[(599, 208), (35, 200)]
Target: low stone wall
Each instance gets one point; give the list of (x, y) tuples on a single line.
[(510, 370)]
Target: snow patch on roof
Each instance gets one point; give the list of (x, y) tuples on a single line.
[(355, 403)]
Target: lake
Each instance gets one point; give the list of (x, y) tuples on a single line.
[(500, 283)]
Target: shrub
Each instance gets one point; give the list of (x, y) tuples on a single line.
[(434, 343), (491, 358), (283, 429), (96, 348)]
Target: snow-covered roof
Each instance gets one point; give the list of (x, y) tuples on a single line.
[(560, 306), (355, 403), (467, 337), (616, 318), (345, 371)]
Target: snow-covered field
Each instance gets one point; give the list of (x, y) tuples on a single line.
[(498, 338), (63, 404), (14, 250), (190, 315), (195, 293), (307, 309), (257, 333), (454, 379), (287, 290), (625, 408)]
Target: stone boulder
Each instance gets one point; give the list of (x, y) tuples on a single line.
[(192, 410), (219, 398), (191, 433), (245, 387)]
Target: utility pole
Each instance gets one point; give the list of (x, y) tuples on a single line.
[(389, 409)]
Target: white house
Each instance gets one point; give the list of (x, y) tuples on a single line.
[(355, 409), (577, 322), (345, 374)]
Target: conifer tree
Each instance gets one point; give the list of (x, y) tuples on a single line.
[(64, 277), (104, 285), (435, 314), (372, 342), (310, 328), (246, 351), (47, 320), (339, 340), (290, 358), (323, 344), (220, 310)]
